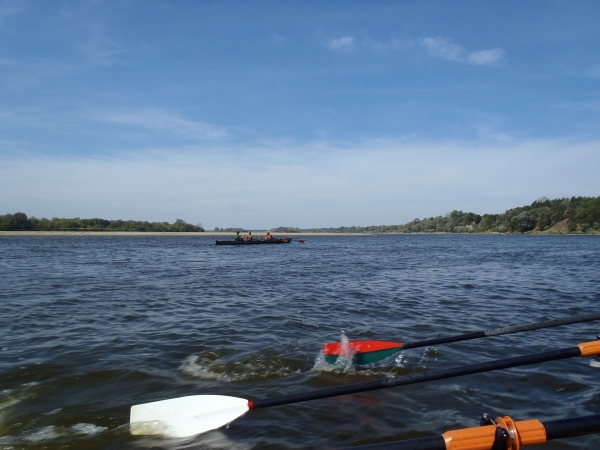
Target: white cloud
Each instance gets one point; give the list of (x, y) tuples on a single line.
[(487, 57), (154, 119), (438, 47), (329, 185), (343, 43), (443, 48)]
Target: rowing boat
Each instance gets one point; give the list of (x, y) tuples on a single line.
[(270, 241)]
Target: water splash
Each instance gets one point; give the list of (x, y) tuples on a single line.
[(344, 361)]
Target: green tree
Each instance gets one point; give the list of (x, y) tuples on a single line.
[(522, 222)]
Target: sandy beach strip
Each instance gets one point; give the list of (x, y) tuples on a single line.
[(156, 233)]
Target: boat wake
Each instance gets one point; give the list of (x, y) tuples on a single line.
[(222, 366)]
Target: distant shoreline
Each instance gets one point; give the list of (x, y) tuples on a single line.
[(167, 233), (229, 234)]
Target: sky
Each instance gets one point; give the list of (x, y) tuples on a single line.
[(305, 114)]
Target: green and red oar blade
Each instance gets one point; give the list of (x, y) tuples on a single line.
[(186, 416), (369, 352), (363, 352)]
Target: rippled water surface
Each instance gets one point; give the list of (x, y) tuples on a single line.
[(92, 325)]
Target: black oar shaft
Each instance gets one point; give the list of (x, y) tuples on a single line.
[(503, 330), (428, 443), (555, 429), (420, 377), (578, 426)]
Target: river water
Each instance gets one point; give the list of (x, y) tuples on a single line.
[(90, 326)]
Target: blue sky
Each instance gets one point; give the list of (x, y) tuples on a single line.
[(260, 114)]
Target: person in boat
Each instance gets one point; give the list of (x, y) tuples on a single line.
[(249, 236), (268, 236), (237, 236)]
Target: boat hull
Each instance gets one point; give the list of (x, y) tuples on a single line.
[(272, 241)]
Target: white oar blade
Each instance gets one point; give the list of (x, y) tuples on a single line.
[(186, 416)]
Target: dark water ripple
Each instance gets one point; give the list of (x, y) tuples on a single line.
[(92, 325)]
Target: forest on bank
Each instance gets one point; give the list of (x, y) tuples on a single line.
[(20, 222), (561, 215), (575, 215)]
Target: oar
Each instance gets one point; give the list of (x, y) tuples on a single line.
[(365, 352), (186, 416), (524, 432)]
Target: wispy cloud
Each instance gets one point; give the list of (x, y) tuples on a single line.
[(487, 57), (446, 49), (22, 74), (438, 47), (343, 43), (154, 119), (442, 48), (101, 50), (487, 131)]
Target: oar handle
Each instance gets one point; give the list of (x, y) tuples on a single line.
[(527, 432), (503, 330), (585, 349)]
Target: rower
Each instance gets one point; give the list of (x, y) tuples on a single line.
[(249, 236), (268, 236), (237, 236)]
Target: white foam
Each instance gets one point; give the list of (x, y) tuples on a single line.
[(191, 366), (208, 367), (42, 434), (51, 432), (87, 429), (8, 403)]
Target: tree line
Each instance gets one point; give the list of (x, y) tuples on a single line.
[(576, 214), (19, 221)]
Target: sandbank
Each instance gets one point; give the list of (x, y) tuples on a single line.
[(157, 233)]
